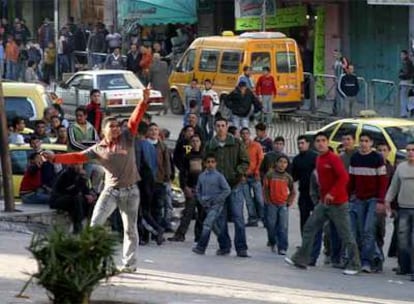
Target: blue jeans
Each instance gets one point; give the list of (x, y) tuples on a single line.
[(406, 239), (240, 122), (64, 63), (236, 204), (210, 223), (363, 219), (37, 197), (277, 225), (254, 204), (11, 70), (404, 97), (267, 108), (207, 124)]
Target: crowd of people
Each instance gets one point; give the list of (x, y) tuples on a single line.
[(342, 199), (24, 58), (124, 170)]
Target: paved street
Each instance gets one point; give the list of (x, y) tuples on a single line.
[(172, 274)]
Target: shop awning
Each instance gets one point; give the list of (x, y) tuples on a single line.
[(153, 12)]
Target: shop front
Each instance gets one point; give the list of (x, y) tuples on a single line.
[(172, 23)]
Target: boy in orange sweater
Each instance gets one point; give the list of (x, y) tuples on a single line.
[(279, 194)]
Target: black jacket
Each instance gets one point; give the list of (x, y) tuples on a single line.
[(348, 85), (303, 165), (407, 70), (239, 104), (132, 64), (69, 183)]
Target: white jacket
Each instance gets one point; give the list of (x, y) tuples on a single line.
[(214, 99)]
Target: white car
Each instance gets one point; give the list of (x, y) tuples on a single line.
[(120, 90)]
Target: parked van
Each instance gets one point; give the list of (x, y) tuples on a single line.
[(222, 58)]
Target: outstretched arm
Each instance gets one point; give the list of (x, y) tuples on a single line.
[(138, 113)]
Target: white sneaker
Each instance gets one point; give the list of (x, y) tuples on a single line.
[(128, 269), (366, 269), (350, 272), (289, 261)]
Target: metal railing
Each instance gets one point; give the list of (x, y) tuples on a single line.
[(390, 99)]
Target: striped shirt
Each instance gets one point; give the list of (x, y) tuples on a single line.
[(368, 176)]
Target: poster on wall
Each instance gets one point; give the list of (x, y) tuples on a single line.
[(253, 8), (248, 15)]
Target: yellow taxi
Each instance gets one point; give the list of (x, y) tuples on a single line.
[(27, 100), (19, 155), (394, 131)]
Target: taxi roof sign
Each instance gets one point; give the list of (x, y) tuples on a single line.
[(262, 35)]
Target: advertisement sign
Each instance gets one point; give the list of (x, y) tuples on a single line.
[(253, 8), (283, 18), (391, 2)]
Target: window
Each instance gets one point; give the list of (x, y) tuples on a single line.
[(230, 62), (330, 129), (286, 62), (85, 84), (259, 61), (208, 61), (108, 82), (19, 106), (375, 133), (19, 160), (187, 62), (75, 81), (345, 128), (401, 135)]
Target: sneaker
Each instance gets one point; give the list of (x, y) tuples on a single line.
[(290, 262), (243, 254), (273, 248), (366, 269), (198, 251), (223, 252), (128, 269), (176, 238), (338, 266), (281, 252), (350, 272)]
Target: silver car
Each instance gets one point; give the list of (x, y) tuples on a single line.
[(121, 90)]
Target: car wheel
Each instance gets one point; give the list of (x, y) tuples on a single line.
[(176, 103)]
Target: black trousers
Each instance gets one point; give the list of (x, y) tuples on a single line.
[(75, 205), (305, 209)]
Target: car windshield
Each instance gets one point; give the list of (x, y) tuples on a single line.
[(401, 135), (19, 106), (119, 81)]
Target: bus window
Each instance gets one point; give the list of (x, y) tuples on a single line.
[(208, 61), (230, 62), (187, 62), (286, 62), (260, 60)]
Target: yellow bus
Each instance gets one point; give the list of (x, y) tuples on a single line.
[(222, 58)]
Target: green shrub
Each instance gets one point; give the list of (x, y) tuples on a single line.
[(71, 266)]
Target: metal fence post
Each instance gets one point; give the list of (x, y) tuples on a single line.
[(312, 95), (371, 94)]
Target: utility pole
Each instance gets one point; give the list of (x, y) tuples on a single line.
[(56, 19), (5, 157), (263, 16)]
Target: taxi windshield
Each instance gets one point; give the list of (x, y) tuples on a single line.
[(401, 135)]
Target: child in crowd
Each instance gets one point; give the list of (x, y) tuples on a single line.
[(279, 194), (212, 191)]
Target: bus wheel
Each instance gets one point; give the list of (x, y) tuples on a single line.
[(176, 103)]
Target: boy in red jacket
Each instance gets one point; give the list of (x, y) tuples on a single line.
[(266, 90), (333, 205)]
